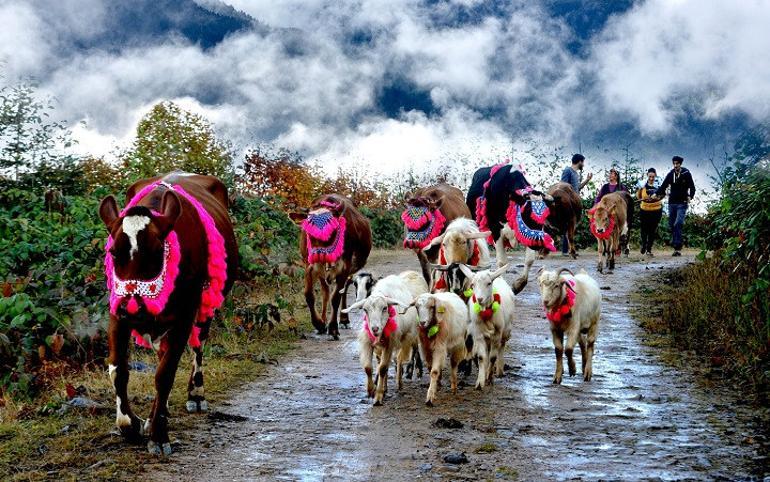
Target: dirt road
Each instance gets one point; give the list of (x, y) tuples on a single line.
[(640, 418)]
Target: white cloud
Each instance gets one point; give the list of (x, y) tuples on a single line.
[(301, 83), (662, 57)]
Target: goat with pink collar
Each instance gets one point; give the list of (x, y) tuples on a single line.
[(573, 305), (390, 326)]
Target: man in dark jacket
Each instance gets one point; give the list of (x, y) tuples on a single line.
[(682, 191)]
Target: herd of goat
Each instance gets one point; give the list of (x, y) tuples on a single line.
[(459, 307)]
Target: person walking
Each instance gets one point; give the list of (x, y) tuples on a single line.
[(612, 185), (682, 192), (571, 175), (651, 211)]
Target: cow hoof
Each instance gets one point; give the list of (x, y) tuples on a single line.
[(136, 430), (197, 406), (162, 449)]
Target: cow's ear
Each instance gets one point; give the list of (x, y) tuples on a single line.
[(108, 210), (171, 208)]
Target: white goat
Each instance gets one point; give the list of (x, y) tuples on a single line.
[(491, 309), (573, 304), (443, 328), (364, 284), (387, 330), (460, 240)]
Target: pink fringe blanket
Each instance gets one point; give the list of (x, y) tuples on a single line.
[(212, 296), (527, 236), (320, 225), (422, 225)]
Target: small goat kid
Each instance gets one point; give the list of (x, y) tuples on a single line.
[(573, 305), (491, 308), (443, 327), (386, 330)]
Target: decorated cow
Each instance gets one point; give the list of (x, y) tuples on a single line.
[(502, 201), (428, 212), (171, 259), (334, 243)]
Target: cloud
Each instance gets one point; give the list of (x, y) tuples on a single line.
[(664, 57), (313, 75)]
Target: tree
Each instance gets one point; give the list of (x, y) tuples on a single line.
[(29, 140), (169, 138), (283, 174)]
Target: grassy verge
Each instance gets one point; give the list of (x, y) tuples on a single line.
[(45, 439), (694, 308)]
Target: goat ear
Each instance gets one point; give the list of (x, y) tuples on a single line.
[(391, 301), (108, 210), (435, 242)]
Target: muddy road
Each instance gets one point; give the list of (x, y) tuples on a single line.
[(640, 418)]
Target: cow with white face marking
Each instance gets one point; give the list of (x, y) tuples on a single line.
[(171, 259)]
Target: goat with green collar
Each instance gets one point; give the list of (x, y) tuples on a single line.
[(491, 309)]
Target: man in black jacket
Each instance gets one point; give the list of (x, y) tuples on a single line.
[(682, 191)]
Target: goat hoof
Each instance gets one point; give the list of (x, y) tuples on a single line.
[(429, 403), (377, 403), (162, 449)]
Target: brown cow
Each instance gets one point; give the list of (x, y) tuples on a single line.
[(608, 224), (167, 270), (450, 202), (328, 262), (565, 213)]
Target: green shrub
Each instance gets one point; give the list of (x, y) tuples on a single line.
[(387, 227), (53, 301)]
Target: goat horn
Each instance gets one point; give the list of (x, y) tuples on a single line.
[(563, 270), (439, 267)]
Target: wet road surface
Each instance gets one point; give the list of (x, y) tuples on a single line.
[(640, 418)]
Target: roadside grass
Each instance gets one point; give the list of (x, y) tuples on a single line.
[(47, 440), (693, 309)]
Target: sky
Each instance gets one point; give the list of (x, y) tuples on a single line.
[(387, 85)]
